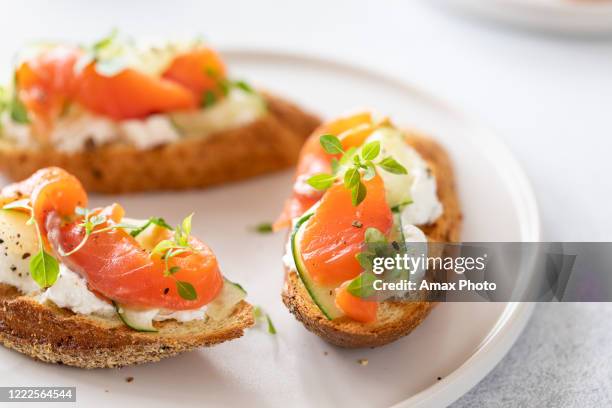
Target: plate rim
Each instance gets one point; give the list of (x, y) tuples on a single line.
[(562, 17), (515, 316)]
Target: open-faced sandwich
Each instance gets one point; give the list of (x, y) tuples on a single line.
[(126, 118), (91, 288), (360, 181)]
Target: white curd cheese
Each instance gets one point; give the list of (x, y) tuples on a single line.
[(80, 130), (181, 315), (70, 291), (288, 259), (75, 133), (150, 132), (418, 186)]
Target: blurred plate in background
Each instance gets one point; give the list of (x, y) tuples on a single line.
[(562, 16)]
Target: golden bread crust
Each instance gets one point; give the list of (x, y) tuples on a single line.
[(53, 335)]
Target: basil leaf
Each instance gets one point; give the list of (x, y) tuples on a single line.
[(335, 165), (4, 99), (44, 269), (271, 328), (18, 111), (351, 178), (392, 166), (346, 157), (264, 228), (331, 144), (186, 290), (174, 270), (358, 193), (244, 86), (321, 181), (371, 150), (365, 260), (363, 285), (373, 236), (209, 99)]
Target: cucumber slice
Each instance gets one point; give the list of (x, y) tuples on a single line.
[(323, 296), (224, 303), (139, 320)]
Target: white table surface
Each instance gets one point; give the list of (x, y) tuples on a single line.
[(549, 97)]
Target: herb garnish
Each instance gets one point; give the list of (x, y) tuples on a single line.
[(108, 54), (89, 223), (209, 97), (10, 101), (361, 165), (168, 249), (259, 315), (44, 268), (363, 285), (264, 228), (160, 222)]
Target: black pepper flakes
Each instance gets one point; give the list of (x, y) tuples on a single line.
[(13, 268), (25, 256), (395, 245), (166, 291)]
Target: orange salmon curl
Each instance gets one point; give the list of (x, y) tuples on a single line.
[(112, 261), (47, 82)]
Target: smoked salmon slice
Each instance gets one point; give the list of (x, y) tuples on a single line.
[(356, 308), (352, 131), (51, 79), (112, 261), (336, 232)]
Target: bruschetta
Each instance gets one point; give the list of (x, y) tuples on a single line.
[(126, 118), (91, 288), (360, 180)]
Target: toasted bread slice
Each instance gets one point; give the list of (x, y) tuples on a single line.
[(395, 319), (53, 335), (268, 144)]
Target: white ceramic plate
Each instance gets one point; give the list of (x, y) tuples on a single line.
[(568, 16), (458, 343)]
